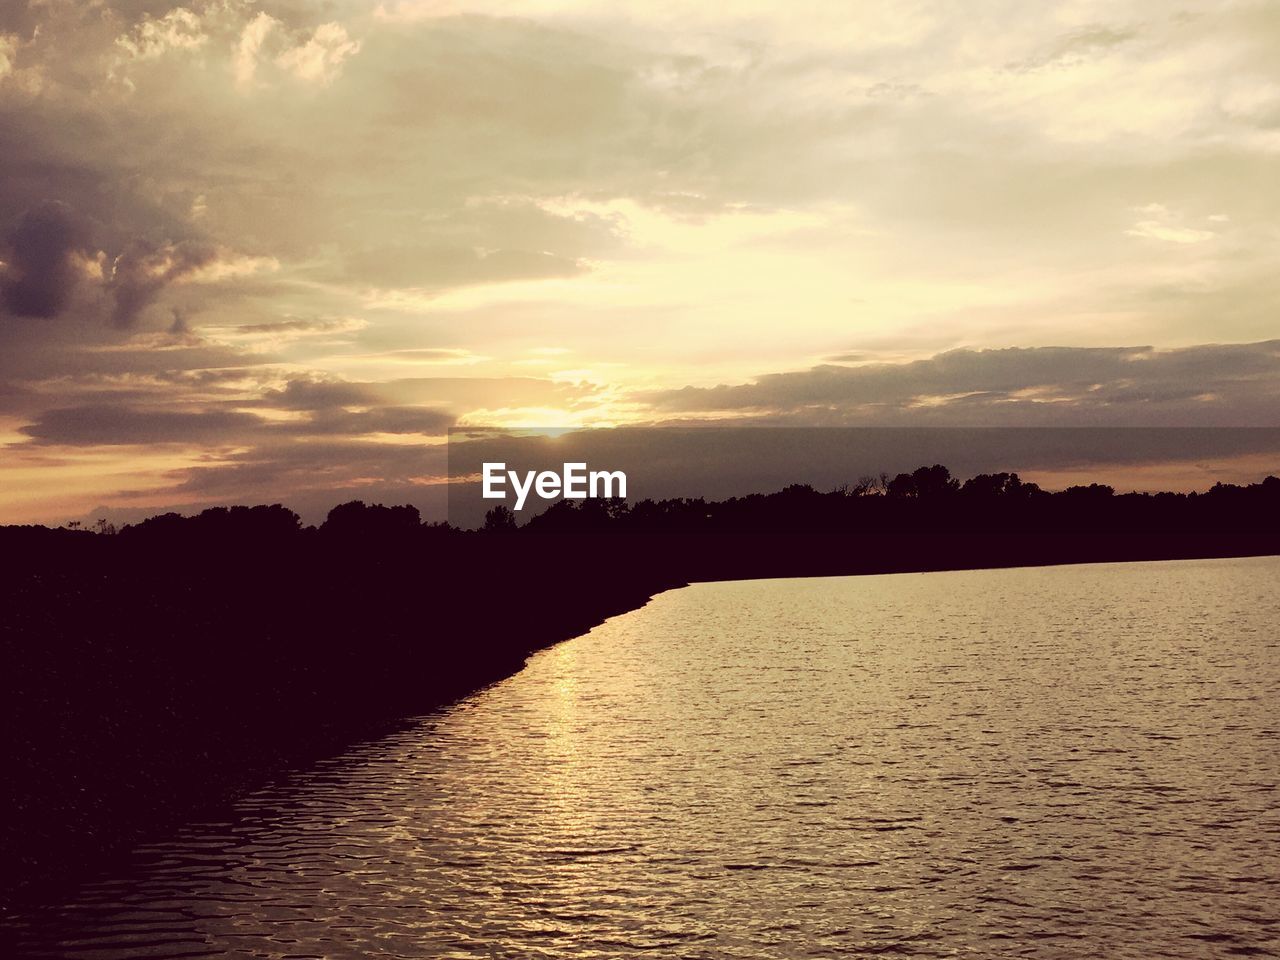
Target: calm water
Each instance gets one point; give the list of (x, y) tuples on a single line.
[(1060, 762)]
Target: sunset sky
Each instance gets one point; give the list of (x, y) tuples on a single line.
[(259, 252)]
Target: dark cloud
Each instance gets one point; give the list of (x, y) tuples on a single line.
[(144, 269), (329, 404), (42, 260), (216, 406), (119, 425), (118, 419), (332, 464), (295, 326), (1231, 384), (17, 17), (84, 349), (87, 151), (309, 394)]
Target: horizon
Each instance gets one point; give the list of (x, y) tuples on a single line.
[(522, 518)]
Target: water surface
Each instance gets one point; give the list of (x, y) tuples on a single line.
[(1056, 762)]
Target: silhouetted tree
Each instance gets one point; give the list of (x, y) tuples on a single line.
[(923, 483), (988, 486), (1093, 492), (359, 520), (501, 519)]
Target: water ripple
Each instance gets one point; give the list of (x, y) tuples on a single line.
[(981, 764)]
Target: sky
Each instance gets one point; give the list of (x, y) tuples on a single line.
[(273, 251)]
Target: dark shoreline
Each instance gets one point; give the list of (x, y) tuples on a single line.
[(154, 676), (57, 837), (276, 761)]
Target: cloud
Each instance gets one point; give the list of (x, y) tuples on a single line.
[(8, 54), (252, 37), (178, 29), (317, 59), (1231, 384), (1160, 223), (278, 332), (143, 270), (109, 425), (335, 421), (303, 393), (124, 417), (46, 256), (454, 394), (451, 266), (320, 57), (1155, 230), (1077, 46)]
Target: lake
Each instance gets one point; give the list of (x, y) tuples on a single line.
[(1049, 762)]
